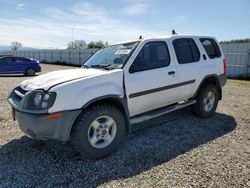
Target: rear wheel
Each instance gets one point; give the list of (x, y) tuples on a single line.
[(207, 101), (30, 72), (98, 131)]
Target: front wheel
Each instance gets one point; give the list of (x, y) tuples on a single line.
[(207, 101), (98, 131)]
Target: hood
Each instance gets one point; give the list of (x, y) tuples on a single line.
[(48, 80)]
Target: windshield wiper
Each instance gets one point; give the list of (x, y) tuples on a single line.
[(85, 66), (106, 67)]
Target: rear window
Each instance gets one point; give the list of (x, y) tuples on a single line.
[(211, 47), (186, 50), (5, 60)]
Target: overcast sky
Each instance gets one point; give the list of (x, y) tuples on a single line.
[(49, 23)]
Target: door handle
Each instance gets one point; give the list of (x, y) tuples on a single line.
[(171, 73)]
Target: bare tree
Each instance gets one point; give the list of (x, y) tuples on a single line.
[(15, 45), (77, 44)]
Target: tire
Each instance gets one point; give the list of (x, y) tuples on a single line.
[(30, 72), (91, 123), (207, 101)]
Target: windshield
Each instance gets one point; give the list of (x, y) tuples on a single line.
[(111, 57)]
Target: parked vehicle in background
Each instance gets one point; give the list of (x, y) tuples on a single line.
[(18, 65), (119, 85)]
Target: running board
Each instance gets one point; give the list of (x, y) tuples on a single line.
[(159, 112)]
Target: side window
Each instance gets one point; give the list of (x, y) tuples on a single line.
[(5, 60), (186, 50), (20, 60), (211, 47), (153, 55)]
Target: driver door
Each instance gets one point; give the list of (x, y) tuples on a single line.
[(149, 79)]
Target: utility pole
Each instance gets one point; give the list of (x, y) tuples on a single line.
[(72, 35)]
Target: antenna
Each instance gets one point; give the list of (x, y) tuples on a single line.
[(173, 32)]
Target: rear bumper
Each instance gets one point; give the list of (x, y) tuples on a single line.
[(222, 80), (41, 128)]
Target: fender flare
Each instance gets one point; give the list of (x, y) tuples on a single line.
[(217, 83), (121, 100)]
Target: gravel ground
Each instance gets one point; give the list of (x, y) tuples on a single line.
[(176, 150)]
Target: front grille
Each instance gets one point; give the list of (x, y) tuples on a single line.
[(16, 97), (19, 92)]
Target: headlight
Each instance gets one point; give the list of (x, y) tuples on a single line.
[(39, 100)]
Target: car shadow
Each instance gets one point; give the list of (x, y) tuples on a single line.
[(27, 162)]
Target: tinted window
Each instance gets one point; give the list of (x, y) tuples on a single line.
[(5, 60), (153, 55), (20, 60), (211, 47), (186, 51)]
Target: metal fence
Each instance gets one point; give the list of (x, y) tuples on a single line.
[(237, 55), (238, 60), (72, 57)]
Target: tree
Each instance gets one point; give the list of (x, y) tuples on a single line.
[(77, 44), (247, 40), (97, 44), (15, 45), (91, 44)]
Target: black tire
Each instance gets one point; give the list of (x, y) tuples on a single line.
[(30, 72), (80, 131), (199, 107)]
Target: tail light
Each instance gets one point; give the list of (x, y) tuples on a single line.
[(225, 66)]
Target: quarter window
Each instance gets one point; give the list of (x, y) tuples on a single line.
[(211, 47), (153, 55), (186, 50)]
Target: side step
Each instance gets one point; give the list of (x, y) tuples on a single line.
[(159, 112)]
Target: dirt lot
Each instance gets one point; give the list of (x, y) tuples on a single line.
[(176, 150)]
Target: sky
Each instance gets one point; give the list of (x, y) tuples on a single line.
[(54, 23)]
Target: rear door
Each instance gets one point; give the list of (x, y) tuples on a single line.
[(189, 65), (150, 77)]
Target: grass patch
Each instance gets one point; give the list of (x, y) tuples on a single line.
[(242, 83)]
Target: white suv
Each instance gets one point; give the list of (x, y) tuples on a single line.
[(121, 84)]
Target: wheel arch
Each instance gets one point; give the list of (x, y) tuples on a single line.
[(115, 100), (210, 79)]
